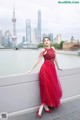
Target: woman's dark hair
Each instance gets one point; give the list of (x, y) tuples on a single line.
[(45, 38)]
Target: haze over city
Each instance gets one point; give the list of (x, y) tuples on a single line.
[(55, 18)]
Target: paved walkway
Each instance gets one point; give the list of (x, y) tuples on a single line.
[(67, 111)]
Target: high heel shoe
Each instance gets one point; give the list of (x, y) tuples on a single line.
[(47, 109), (38, 115), (39, 112)]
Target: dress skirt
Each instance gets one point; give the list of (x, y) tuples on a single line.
[(50, 88)]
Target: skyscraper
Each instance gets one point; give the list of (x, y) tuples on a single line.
[(7, 39), (39, 27), (37, 30), (58, 38), (28, 31), (1, 37), (51, 36), (14, 37)]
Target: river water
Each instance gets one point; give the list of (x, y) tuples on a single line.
[(20, 61)]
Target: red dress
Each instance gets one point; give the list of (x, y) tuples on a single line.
[(50, 88)]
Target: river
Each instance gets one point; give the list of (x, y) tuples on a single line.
[(20, 61)]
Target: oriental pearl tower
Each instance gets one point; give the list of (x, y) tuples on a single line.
[(14, 37)]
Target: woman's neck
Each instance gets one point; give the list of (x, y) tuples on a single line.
[(48, 47)]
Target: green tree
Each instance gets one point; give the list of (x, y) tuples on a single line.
[(61, 44), (58, 46), (40, 45)]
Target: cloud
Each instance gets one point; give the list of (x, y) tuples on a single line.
[(56, 18)]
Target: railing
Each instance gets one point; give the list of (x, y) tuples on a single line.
[(20, 93)]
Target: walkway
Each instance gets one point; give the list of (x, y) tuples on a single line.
[(67, 111)]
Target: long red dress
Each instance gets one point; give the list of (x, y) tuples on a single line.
[(50, 88)]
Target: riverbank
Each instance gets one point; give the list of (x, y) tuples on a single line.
[(67, 52), (76, 53), (20, 61)]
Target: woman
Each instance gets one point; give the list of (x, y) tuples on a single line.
[(50, 88)]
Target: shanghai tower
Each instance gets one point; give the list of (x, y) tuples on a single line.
[(39, 26)]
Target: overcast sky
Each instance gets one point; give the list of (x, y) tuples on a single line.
[(56, 18)]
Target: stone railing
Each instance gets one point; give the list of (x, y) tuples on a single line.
[(20, 93)]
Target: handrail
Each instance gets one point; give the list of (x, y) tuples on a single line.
[(21, 91)]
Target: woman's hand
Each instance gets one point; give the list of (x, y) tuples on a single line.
[(59, 69), (29, 71)]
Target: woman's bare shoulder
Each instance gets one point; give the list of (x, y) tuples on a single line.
[(53, 48), (43, 50)]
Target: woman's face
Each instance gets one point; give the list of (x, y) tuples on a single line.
[(47, 42)]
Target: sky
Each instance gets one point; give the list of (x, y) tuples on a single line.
[(56, 18)]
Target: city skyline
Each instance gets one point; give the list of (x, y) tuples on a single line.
[(56, 18)]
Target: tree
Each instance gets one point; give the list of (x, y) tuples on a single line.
[(61, 44), (40, 45)]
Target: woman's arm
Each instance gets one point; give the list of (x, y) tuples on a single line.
[(37, 62), (55, 60)]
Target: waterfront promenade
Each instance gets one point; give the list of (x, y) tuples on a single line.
[(67, 111), (20, 96), (67, 52)]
